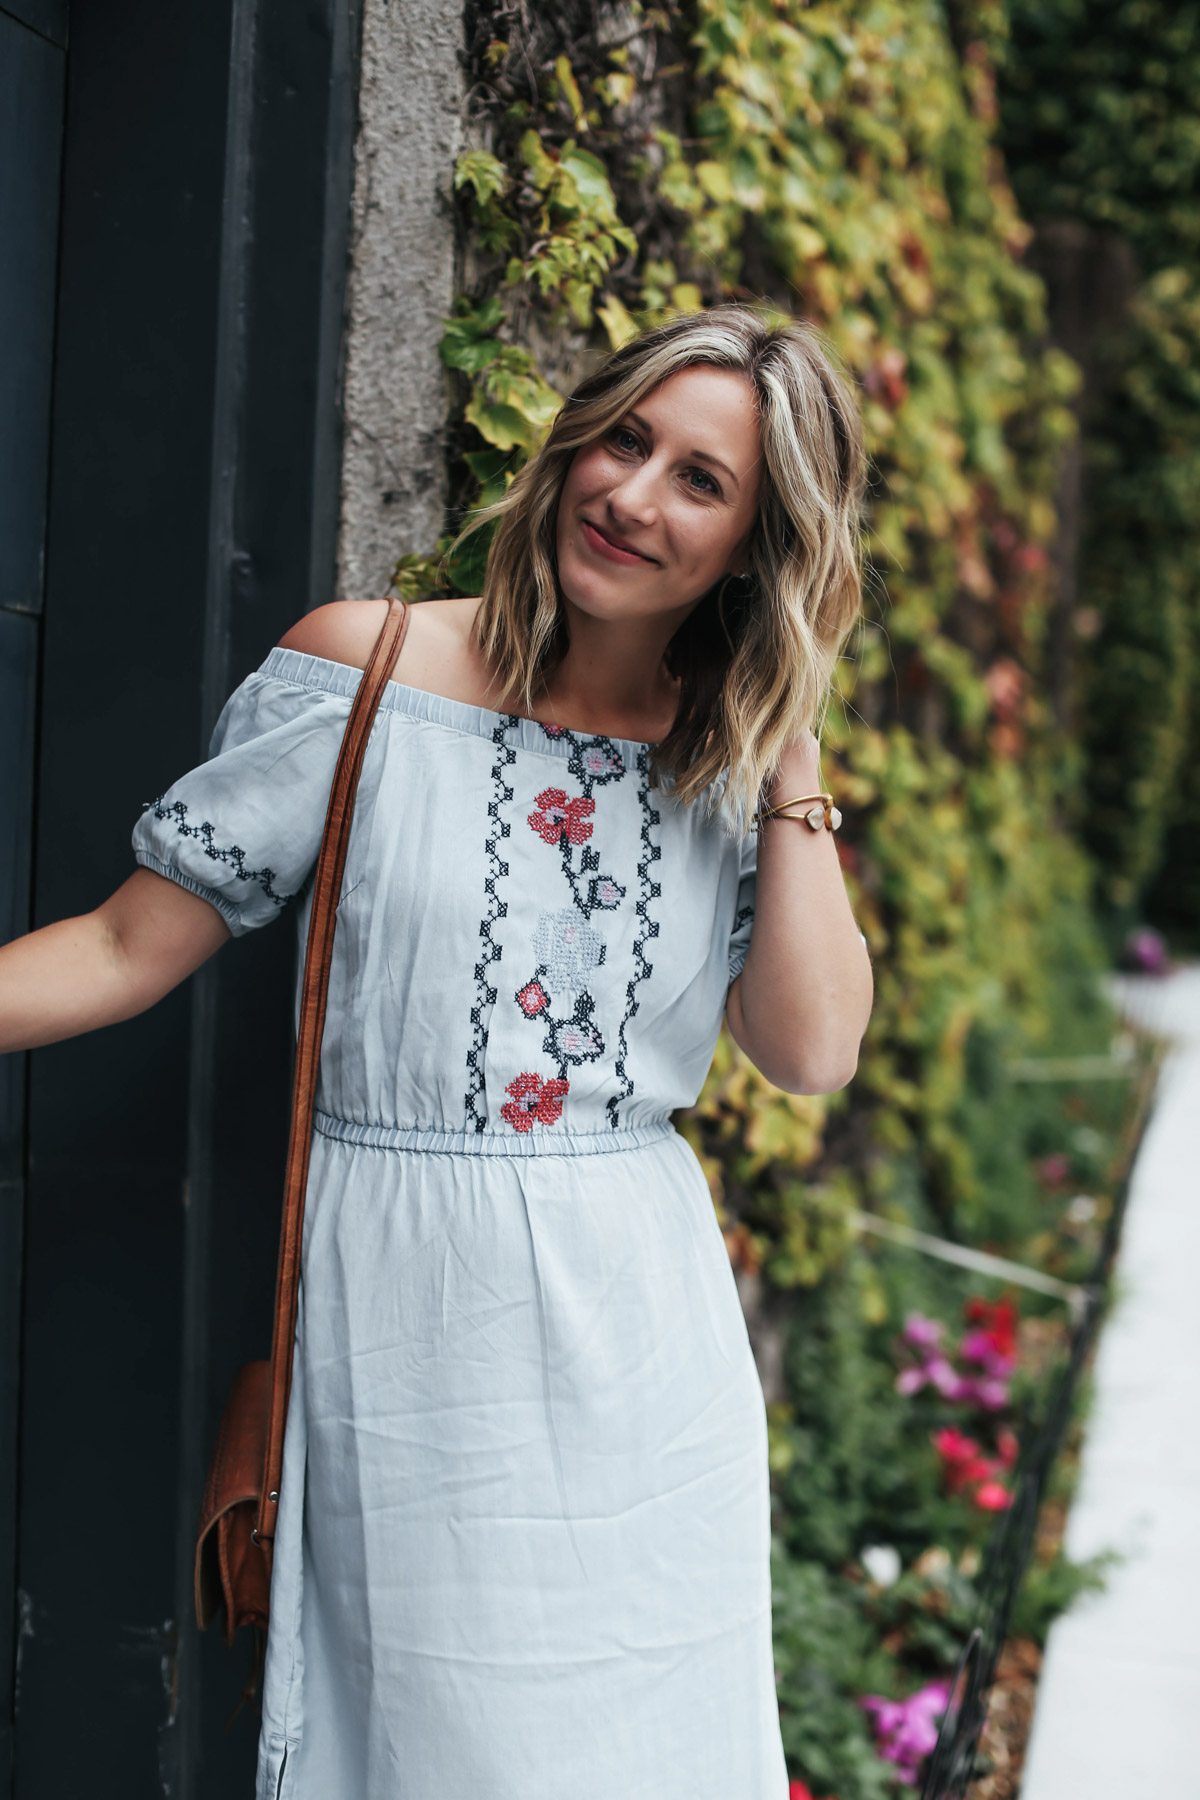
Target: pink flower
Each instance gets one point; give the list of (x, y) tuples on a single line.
[(534, 1102), (922, 1333), (992, 1496), (557, 817), (1054, 1169), (906, 1731), (990, 1394), (963, 1459), (533, 999), (946, 1379)]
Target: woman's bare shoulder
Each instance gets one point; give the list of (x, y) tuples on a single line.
[(440, 652)]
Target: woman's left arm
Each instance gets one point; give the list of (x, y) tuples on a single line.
[(801, 1004)]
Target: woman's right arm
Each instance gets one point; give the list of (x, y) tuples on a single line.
[(105, 965)]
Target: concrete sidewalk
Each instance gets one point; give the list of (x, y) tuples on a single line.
[(1118, 1709)]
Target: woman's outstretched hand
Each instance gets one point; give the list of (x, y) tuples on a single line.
[(105, 965)]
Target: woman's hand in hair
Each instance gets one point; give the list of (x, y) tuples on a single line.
[(801, 1004)]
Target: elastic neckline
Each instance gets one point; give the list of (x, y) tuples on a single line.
[(299, 669)]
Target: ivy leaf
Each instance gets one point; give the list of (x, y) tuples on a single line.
[(569, 87), (469, 342), (543, 170), (616, 321), (483, 172), (499, 423)]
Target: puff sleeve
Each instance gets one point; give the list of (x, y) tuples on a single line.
[(243, 830), (743, 917)]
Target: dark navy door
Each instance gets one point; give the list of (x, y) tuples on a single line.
[(174, 206)]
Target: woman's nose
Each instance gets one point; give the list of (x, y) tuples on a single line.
[(635, 496)]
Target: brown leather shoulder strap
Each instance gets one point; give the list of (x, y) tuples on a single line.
[(327, 884)]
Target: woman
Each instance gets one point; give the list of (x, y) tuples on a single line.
[(522, 1547)]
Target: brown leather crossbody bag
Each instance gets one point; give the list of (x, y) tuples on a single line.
[(241, 1496)]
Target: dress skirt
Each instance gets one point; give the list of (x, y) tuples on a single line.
[(524, 1531)]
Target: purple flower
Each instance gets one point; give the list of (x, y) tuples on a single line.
[(1146, 952), (922, 1333), (946, 1379), (906, 1731), (990, 1393)]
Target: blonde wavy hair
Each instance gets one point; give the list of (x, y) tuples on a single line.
[(755, 657)]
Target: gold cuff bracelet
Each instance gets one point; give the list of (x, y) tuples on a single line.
[(821, 812)]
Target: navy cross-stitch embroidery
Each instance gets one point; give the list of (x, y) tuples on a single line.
[(494, 909), (648, 890), (232, 855)]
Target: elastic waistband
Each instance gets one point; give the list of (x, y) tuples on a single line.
[(492, 1143)]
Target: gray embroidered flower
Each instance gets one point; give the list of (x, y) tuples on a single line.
[(567, 949)]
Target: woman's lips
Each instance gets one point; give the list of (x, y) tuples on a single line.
[(596, 540)]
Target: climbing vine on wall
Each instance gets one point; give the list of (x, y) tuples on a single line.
[(838, 162)]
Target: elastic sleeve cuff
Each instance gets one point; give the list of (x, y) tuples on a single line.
[(229, 913)]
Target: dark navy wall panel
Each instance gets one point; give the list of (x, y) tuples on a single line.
[(47, 17), (31, 90)]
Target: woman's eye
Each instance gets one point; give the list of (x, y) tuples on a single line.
[(624, 439), (702, 481)]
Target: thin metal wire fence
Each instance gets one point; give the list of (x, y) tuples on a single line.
[(953, 1765)]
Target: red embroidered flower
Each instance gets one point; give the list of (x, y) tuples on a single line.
[(534, 1102), (557, 817), (533, 999)]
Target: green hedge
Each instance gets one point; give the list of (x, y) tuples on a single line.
[(1100, 130)]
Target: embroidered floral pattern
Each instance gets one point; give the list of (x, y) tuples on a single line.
[(595, 760), (231, 854), (567, 949), (648, 890), (561, 820), (534, 1102), (494, 909), (567, 946), (533, 999)]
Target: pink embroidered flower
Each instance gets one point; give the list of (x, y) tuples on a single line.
[(533, 999), (604, 891), (597, 759), (534, 1102), (557, 817), (574, 1041)]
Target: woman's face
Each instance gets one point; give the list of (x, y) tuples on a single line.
[(657, 511)]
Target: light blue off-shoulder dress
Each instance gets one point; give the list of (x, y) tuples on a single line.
[(523, 1540)]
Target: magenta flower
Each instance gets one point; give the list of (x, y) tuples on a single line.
[(906, 1731)]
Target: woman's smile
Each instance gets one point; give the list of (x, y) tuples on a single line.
[(613, 549)]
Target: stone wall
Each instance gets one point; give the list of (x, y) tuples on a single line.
[(401, 285)]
